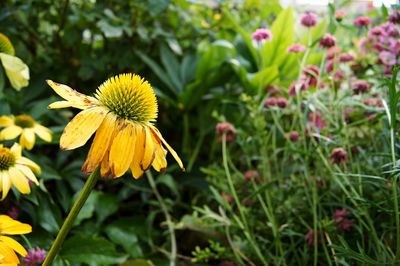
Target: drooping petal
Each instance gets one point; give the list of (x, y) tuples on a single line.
[(14, 245), (6, 184), (17, 71), (10, 132), (6, 121), (160, 161), (122, 149), (27, 139), (31, 164), (43, 132), (26, 171), (105, 170), (19, 181), (174, 154), (149, 151), (101, 143), (139, 151), (76, 99), (82, 127)]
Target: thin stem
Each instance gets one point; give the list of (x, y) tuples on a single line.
[(69, 221), (172, 258)]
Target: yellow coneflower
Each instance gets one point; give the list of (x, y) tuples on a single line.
[(25, 126), (122, 112), (9, 246), (16, 170)]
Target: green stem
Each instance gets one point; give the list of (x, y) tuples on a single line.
[(69, 221), (172, 258)]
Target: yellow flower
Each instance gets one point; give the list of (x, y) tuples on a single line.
[(9, 246), (16, 170), (122, 112), (25, 126)]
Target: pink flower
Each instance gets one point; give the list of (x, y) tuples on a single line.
[(362, 21), (338, 76), (344, 58), (228, 198), (329, 66), (251, 175), (293, 136), (262, 35), (281, 102), (270, 102), (395, 17), (296, 48), (333, 52), (343, 223), (301, 85), (309, 238), (225, 128), (387, 58), (311, 74), (34, 257), (374, 102), (339, 15), (360, 87), (327, 41), (338, 156), (316, 119), (309, 19)]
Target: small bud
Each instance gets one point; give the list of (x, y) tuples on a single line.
[(293, 136), (308, 19), (281, 102), (338, 156), (362, 21), (327, 41), (262, 35), (360, 87), (269, 102), (339, 15)]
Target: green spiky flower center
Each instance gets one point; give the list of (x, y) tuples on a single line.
[(129, 97), (7, 159), (24, 121), (5, 45)]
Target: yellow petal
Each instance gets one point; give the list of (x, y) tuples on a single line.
[(16, 150), (76, 99), (10, 132), (17, 71), (82, 127), (122, 149), (14, 245), (26, 171), (5, 183), (19, 181), (101, 143), (32, 165), (27, 139), (105, 170), (160, 162), (9, 255), (139, 151), (149, 151), (43, 132), (6, 121), (174, 154)]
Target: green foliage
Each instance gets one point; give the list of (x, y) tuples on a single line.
[(214, 252)]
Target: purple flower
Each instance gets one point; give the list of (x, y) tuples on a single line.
[(387, 58), (309, 19), (34, 257), (225, 128), (395, 17), (362, 21), (360, 87), (281, 102), (296, 48), (327, 41), (270, 102), (293, 136), (338, 156), (251, 175), (343, 223), (262, 35), (344, 58), (302, 84)]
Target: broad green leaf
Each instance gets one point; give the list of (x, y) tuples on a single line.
[(169, 182), (106, 205), (264, 77), (125, 236), (94, 251), (171, 64)]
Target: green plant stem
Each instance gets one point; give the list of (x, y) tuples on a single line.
[(186, 133), (69, 221), (239, 206), (172, 258)]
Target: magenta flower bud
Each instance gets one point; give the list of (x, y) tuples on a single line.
[(296, 48), (317, 120), (394, 17), (281, 102), (262, 35), (344, 58), (293, 136), (34, 257), (339, 15), (302, 84), (311, 74), (338, 156), (387, 58), (360, 87), (309, 19), (327, 41), (269, 102), (341, 220), (362, 21), (329, 66), (338, 76), (333, 52), (225, 128)]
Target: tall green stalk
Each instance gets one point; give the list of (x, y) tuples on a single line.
[(69, 221)]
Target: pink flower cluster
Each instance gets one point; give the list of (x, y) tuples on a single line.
[(34, 257), (341, 220), (262, 35), (225, 128), (308, 78)]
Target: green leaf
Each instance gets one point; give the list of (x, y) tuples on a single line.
[(171, 64), (265, 77), (106, 205), (91, 250), (157, 6), (169, 182), (125, 236)]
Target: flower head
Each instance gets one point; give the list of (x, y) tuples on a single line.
[(16, 170), (343, 223), (281, 102), (262, 35), (360, 87), (362, 21), (344, 58), (34, 257), (298, 85), (269, 102), (8, 246), (311, 74), (309, 19), (338, 156), (394, 17), (296, 48), (327, 41), (251, 175), (339, 15), (25, 127), (122, 115), (225, 128), (293, 136)]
